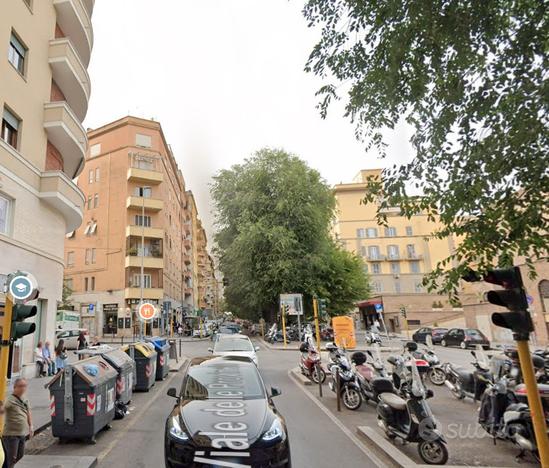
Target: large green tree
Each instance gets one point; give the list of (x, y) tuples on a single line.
[(471, 78), (273, 218)]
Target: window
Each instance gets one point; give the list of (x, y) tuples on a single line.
[(143, 192), (10, 128), (88, 256), (90, 177), (392, 251), (363, 251), (93, 255), (409, 231), (365, 268), (390, 232), (97, 174), (376, 268), (70, 259), (395, 268), (142, 220), (418, 287), (5, 206), (373, 252), (143, 140), (89, 202), (86, 284), (414, 267), (95, 150), (93, 228), (371, 232), (17, 53), (361, 233), (411, 251), (147, 281), (376, 286), (96, 200), (397, 286), (92, 283)]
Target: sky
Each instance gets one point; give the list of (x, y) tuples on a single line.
[(224, 78)]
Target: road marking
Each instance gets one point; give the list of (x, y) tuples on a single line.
[(377, 462)]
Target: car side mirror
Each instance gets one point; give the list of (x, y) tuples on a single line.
[(275, 391), (172, 392), (257, 348), (210, 350)]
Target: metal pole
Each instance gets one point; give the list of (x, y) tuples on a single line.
[(283, 323), (338, 390), (5, 350), (299, 320), (142, 256), (318, 367), (534, 401), (317, 326)]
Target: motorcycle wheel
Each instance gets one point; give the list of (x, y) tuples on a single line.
[(456, 391), (315, 375), (433, 452), (437, 376), (351, 398)]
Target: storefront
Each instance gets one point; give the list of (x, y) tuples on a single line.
[(110, 319)]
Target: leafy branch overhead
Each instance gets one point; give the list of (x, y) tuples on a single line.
[(273, 218), (470, 78)]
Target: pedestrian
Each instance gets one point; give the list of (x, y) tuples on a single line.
[(82, 344), (180, 331), (60, 356), (39, 358), (48, 358), (18, 422)]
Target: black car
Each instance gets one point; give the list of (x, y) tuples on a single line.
[(224, 416), (420, 336), (465, 338)]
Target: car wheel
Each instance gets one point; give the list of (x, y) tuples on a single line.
[(463, 345), (443, 343)]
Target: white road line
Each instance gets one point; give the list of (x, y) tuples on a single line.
[(338, 423)]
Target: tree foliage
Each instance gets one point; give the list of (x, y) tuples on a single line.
[(273, 217), (470, 77)]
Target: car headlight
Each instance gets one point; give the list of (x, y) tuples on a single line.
[(176, 431), (275, 432)]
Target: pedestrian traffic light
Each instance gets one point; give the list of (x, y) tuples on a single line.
[(323, 308), (19, 328), (512, 297)]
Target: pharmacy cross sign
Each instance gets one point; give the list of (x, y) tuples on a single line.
[(146, 311)]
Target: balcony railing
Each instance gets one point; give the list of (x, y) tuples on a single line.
[(74, 20)]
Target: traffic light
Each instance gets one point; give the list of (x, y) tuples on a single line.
[(512, 297), (323, 308), (19, 328), (402, 310), (286, 309)]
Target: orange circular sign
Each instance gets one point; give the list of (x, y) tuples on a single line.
[(146, 311)]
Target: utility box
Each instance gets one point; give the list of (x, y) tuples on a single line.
[(162, 348), (145, 358), (82, 399)]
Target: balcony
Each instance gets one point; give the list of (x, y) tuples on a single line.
[(414, 256), (70, 75), (58, 191), (74, 19), (148, 293), (151, 204), (187, 228), (134, 261), (136, 174), (187, 259), (187, 244), (151, 233), (376, 258), (394, 258), (66, 133), (188, 291)]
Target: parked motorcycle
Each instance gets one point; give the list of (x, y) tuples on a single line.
[(348, 385), (468, 383), (372, 337), (310, 364), (436, 373), (370, 373), (410, 418), (404, 362), (335, 353)]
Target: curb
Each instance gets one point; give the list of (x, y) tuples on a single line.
[(300, 377), (387, 349), (55, 461)]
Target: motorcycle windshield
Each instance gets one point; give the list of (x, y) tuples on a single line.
[(377, 355), (482, 358), (418, 389)]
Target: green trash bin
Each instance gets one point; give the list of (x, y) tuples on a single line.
[(145, 358), (82, 399)]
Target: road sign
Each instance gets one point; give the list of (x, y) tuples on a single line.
[(91, 308), (294, 303), (21, 288), (530, 299), (146, 311), (379, 308)]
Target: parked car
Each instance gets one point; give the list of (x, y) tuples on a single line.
[(235, 345), (465, 338), (208, 426), (420, 336), (70, 337)]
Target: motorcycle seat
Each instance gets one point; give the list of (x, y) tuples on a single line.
[(394, 401), (465, 374), (365, 371)]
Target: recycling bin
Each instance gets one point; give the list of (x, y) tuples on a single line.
[(145, 358), (162, 348), (82, 399)]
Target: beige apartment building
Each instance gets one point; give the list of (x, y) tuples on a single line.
[(206, 273), (137, 216), (396, 257), (45, 49)]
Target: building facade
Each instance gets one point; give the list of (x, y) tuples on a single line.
[(137, 218), (45, 49), (395, 257)]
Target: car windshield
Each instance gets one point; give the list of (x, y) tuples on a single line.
[(474, 333), (222, 381), (237, 344)]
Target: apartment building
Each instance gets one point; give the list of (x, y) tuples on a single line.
[(191, 291), (45, 49), (136, 219), (396, 257)]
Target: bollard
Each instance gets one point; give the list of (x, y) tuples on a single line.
[(179, 347), (318, 367), (338, 390)]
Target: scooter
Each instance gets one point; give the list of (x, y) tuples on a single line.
[(348, 386), (310, 364), (368, 373), (436, 373), (335, 353), (403, 363), (410, 418), (466, 383), (372, 337)]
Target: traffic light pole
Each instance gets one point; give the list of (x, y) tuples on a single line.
[(534, 400), (5, 349), (317, 325), (282, 313)]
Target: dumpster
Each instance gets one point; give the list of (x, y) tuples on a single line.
[(82, 399), (144, 356), (162, 348)]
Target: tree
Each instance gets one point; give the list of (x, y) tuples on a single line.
[(273, 218), (66, 293), (471, 80)]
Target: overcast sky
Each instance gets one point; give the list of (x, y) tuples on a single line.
[(224, 78)]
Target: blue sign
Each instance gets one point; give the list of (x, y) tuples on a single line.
[(90, 308), (21, 288), (530, 300), (379, 308)]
